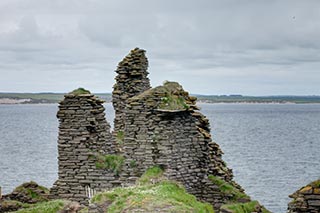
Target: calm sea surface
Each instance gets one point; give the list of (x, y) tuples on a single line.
[(273, 149)]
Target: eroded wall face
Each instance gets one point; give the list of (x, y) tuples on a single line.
[(84, 134), (131, 80), (176, 140)]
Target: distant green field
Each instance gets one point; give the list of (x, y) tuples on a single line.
[(258, 99), (56, 97), (46, 97)]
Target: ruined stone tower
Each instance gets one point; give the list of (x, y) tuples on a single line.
[(84, 135), (164, 127), (160, 126), (131, 80)]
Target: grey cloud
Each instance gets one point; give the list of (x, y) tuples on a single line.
[(210, 46)]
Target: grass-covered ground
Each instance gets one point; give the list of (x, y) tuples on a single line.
[(151, 194), (44, 207)]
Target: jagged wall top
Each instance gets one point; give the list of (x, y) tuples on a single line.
[(131, 80)]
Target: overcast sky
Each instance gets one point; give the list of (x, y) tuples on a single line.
[(250, 47)]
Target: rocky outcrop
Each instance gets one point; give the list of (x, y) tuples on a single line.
[(84, 139), (131, 80), (306, 199), (27, 193)]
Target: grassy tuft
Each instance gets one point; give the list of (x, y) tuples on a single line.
[(249, 207), (164, 196), (161, 197), (315, 184), (32, 191), (48, 207), (228, 189), (175, 96), (111, 162), (150, 175), (120, 137), (80, 91)]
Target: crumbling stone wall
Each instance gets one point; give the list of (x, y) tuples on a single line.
[(131, 80), (83, 135), (306, 199), (160, 126), (163, 127)]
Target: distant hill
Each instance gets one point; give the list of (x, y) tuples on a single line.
[(24, 98)]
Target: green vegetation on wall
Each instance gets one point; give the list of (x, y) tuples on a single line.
[(174, 98), (151, 175), (120, 137), (111, 162), (228, 189), (248, 207)]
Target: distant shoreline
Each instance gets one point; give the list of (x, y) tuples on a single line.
[(44, 102), (53, 98)]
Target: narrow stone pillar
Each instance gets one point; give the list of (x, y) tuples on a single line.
[(131, 80), (83, 135)]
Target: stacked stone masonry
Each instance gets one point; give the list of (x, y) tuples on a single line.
[(307, 199), (83, 134), (131, 80), (160, 126), (176, 139)]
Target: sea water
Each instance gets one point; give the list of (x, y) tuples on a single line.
[(273, 149)]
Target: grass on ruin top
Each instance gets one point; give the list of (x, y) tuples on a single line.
[(163, 196), (33, 190), (173, 97), (80, 91), (228, 189), (315, 184), (48, 207), (248, 207)]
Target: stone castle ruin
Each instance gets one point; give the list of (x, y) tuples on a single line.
[(153, 126)]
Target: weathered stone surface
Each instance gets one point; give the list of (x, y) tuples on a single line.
[(131, 80), (306, 199), (83, 132), (160, 126), (162, 129)]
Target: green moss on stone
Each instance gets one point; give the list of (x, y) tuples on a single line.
[(248, 207), (111, 162), (315, 184), (30, 192), (151, 175), (80, 91), (228, 189), (120, 137)]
